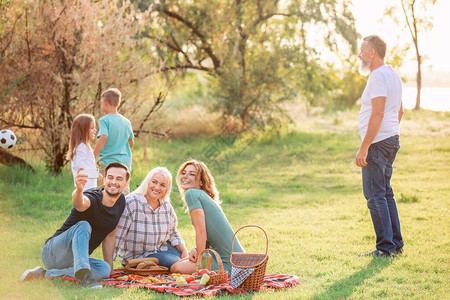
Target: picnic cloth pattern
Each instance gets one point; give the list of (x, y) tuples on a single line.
[(271, 282), (238, 275)]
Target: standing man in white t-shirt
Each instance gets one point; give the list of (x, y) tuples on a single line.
[(379, 119)]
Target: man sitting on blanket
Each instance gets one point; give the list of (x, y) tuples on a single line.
[(92, 221)]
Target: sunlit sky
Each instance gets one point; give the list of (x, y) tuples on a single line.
[(433, 44)]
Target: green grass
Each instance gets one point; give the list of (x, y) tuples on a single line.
[(301, 186)]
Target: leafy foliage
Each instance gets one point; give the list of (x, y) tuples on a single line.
[(416, 20), (57, 57), (258, 53)]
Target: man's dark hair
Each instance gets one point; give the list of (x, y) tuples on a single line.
[(118, 165), (375, 42)]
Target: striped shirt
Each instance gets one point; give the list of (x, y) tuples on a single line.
[(142, 231)]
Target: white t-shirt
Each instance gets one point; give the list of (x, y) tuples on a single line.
[(84, 158), (383, 82)]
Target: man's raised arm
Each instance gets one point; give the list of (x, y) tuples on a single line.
[(79, 201)]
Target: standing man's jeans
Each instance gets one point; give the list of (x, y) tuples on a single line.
[(68, 252), (379, 194)]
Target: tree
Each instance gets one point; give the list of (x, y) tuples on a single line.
[(257, 53), (417, 21), (57, 59)]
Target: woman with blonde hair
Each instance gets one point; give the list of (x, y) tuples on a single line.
[(148, 225), (212, 229)]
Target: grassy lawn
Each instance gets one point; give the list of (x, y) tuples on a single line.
[(302, 186)]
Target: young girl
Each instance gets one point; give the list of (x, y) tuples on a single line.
[(80, 152)]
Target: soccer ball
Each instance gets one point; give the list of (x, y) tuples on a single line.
[(7, 139)]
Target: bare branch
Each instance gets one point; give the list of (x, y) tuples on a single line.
[(180, 50), (407, 21), (165, 134), (59, 16), (20, 125), (11, 33), (173, 68), (27, 37), (206, 47), (156, 106), (185, 22), (268, 16)]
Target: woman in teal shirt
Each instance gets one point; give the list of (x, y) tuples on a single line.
[(198, 190)]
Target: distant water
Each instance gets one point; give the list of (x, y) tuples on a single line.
[(431, 98)]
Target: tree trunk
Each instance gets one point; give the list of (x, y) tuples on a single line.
[(144, 147), (244, 116), (419, 82), (8, 159), (59, 160)]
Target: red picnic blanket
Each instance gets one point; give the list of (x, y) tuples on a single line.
[(271, 282)]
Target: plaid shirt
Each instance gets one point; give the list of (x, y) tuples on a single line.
[(142, 231)]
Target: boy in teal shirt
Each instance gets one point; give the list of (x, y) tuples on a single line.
[(115, 134)]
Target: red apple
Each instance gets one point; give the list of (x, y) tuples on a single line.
[(190, 278), (203, 271)]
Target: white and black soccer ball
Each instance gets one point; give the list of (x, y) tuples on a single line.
[(7, 139)]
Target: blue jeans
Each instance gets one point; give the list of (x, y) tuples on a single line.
[(167, 258), (68, 252), (377, 189)]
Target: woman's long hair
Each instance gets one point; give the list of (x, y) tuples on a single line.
[(142, 188), (79, 133), (206, 179)]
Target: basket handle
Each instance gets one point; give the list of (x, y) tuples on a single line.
[(257, 226), (199, 259)]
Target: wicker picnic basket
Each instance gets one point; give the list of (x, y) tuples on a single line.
[(221, 275), (251, 260)]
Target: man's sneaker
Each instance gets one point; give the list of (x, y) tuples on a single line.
[(89, 282), (379, 253), (35, 273), (399, 251)]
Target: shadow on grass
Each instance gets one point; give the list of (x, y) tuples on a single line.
[(344, 288)]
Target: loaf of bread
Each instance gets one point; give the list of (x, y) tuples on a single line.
[(146, 265), (135, 261), (158, 268)]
